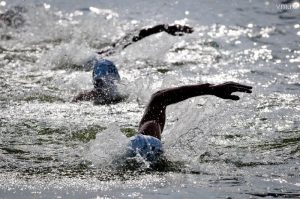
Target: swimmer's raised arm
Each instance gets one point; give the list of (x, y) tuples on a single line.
[(175, 30), (153, 120)]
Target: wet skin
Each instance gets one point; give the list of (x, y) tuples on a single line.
[(154, 118)]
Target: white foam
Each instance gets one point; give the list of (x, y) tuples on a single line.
[(66, 56), (108, 146)]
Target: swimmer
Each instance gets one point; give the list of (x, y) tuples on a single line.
[(105, 73), (147, 143), (13, 17), (105, 79)]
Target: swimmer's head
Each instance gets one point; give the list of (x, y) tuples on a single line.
[(105, 73)]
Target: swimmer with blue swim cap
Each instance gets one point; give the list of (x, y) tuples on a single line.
[(147, 142), (105, 78), (105, 73)]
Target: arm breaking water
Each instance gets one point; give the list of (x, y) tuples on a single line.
[(153, 120), (175, 30)]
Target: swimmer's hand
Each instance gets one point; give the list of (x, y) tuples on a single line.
[(178, 30), (225, 90), (85, 96)]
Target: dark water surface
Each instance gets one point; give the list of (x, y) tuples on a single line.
[(52, 148)]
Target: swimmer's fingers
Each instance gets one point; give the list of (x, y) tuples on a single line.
[(179, 30), (243, 90), (233, 97), (234, 84), (187, 29), (225, 90), (236, 87), (228, 96), (245, 86), (239, 88)]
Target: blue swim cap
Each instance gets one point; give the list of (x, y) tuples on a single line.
[(104, 71), (148, 147)]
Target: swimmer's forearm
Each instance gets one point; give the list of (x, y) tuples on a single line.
[(170, 29), (174, 95), (149, 31)]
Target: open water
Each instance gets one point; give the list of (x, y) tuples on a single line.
[(52, 148)]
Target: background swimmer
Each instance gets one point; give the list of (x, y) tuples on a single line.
[(13, 17), (105, 73), (105, 77)]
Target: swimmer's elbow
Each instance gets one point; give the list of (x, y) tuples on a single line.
[(158, 98), (157, 95)]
